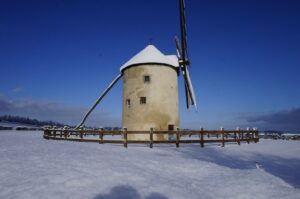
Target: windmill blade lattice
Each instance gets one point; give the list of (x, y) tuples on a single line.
[(183, 58)]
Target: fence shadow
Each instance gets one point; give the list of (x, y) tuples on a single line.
[(285, 168), (127, 192)]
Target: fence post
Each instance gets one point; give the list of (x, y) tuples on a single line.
[(239, 136), (65, 134), (101, 136), (46, 134), (248, 135), (256, 135), (223, 140), (177, 137), (201, 136), (125, 137), (151, 137), (242, 135), (81, 134)]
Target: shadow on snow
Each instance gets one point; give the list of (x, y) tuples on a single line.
[(285, 168), (127, 192)]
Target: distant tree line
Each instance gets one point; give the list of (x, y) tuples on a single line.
[(26, 120), (273, 132), (35, 122)]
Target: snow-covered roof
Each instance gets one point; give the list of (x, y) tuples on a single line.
[(151, 55)]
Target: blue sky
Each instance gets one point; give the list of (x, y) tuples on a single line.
[(56, 57)]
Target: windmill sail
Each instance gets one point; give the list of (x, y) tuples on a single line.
[(183, 58), (191, 90)]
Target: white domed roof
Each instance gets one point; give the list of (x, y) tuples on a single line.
[(151, 55)]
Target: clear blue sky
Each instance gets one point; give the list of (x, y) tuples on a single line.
[(58, 56)]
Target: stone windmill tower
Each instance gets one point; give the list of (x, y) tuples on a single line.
[(150, 87), (150, 92)]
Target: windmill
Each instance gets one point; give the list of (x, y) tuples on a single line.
[(150, 87)]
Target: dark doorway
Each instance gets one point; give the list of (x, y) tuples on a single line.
[(171, 136)]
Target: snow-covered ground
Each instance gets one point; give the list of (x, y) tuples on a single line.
[(31, 167)]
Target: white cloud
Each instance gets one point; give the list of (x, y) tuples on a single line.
[(58, 112), (281, 120), (17, 90)]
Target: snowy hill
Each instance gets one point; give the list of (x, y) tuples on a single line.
[(32, 167)]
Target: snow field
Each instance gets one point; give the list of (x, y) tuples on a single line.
[(32, 167)]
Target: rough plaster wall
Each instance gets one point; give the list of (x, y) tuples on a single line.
[(161, 108)]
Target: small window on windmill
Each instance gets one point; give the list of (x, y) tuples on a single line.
[(170, 127), (143, 100), (128, 103), (146, 79)]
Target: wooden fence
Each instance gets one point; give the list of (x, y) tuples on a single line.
[(180, 136)]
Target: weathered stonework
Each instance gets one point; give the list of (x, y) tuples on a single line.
[(161, 108)]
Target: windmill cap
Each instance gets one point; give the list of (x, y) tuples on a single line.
[(151, 55)]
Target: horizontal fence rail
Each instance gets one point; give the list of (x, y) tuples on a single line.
[(178, 136)]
